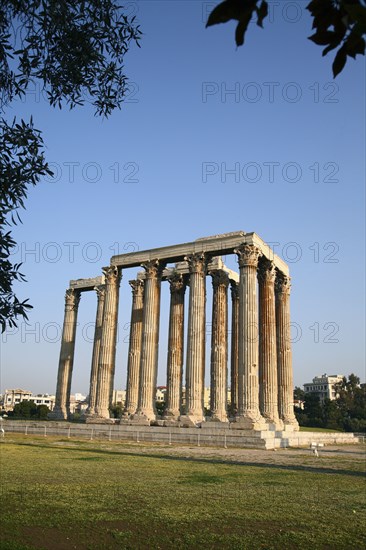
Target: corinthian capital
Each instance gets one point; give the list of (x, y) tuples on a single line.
[(72, 298), (100, 290), (137, 286), (153, 268), (112, 275), (220, 278), (197, 263), (177, 283), (266, 271), (248, 255), (283, 284)]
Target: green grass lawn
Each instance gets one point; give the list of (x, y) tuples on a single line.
[(64, 494)]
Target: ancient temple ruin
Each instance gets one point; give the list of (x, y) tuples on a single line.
[(260, 362)]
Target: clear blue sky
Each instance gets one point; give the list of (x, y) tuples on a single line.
[(281, 155)]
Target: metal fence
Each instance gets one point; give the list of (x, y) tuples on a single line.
[(104, 433), (194, 437)]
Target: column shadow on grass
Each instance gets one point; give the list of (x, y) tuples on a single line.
[(202, 460)]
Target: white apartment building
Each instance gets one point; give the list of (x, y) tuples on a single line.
[(14, 396), (324, 385), (119, 396), (160, 395)]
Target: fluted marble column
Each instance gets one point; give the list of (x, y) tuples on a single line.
[(248, 416), (134, 352), (100, 290), (234, 346), (219, 354), (175, 347), (195, 363), (268, 389), (284, 353), (62, 402), (107, 353), (146, 410)]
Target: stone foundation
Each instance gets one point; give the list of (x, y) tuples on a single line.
[(210, 434)]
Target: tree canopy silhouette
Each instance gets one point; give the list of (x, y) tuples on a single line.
[(74, 50), (338, 24)]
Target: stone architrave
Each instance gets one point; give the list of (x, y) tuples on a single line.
[(107, 353), (100, 290), (134, 352), (195, 362), (219, 353), (234, 346), (175, 347), (284, 353), (146, 410), (62, 403), (268, 404), (248, 416)]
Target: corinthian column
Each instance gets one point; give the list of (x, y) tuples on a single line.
[(195, 367), (107, 353), (284, 354), (248, 416), (218, 393), (234, 346), (134, 352), (267, 345), (175, 347), (100, 290), (146, 411), (62, 402)]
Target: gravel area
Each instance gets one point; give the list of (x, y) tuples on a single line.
[(332, 456)]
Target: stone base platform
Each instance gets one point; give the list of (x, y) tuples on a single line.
[(213, 434), (96, 420)]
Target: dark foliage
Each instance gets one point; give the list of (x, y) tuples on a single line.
[(74, 50), (338, 24), (160, 407), (347, 412), (22, 164), (72, 47), (28, 409)]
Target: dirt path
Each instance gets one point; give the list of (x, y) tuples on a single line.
[(333, 456)]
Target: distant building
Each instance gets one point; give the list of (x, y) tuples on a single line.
[(78, 403), (160, 395), (324, 386), (79, 397), (119, 397), (44, 399), (206, 396), (14, 396)]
